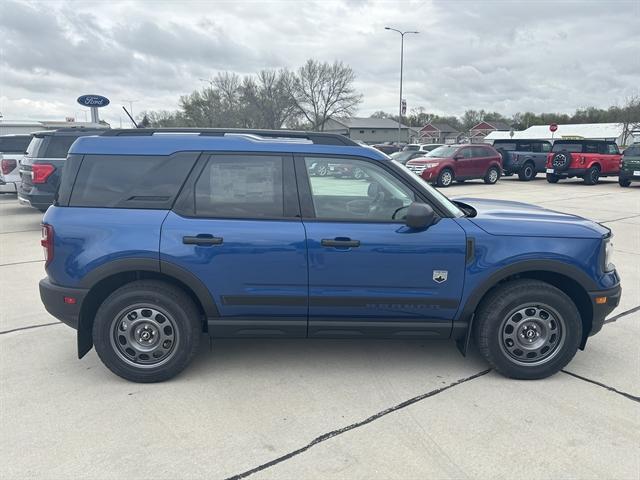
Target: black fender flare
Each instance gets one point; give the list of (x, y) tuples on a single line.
[(125, 265), (463, 326)]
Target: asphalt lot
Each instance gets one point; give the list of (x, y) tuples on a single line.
[(299, 409)]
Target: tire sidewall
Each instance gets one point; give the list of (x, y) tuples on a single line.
[(186, 325), (593, 176), (572, 333), (523, 173), (441, 175), (487, 177)]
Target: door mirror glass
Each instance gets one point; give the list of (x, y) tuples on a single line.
[(419, 216)]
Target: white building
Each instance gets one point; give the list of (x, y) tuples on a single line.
[(29, 126), (589, 131)]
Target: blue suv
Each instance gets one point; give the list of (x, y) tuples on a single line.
[(158, 236)]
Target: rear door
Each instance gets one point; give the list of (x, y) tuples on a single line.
[(236, 227), (482, 158), (465, 164)]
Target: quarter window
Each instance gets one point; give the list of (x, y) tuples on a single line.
[(241, 186), (612, 149), (357, 190)]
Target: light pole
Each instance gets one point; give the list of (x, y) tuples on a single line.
[(402, 34)]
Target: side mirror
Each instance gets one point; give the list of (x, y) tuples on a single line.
[(457, 157), (419, 216)]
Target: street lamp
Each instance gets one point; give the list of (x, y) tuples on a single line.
[(402, 34)]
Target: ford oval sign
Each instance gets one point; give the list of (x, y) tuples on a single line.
[(94, 101)]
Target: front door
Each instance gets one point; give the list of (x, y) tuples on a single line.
[(369, 274), (239, 232)]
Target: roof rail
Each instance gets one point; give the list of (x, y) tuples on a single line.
[(319, 138)]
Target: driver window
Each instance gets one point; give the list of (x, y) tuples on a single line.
[(351, 189)]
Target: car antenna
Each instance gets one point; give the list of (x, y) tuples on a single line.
[(130, 117)]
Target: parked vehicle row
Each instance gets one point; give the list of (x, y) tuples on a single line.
[(12, 149), (588, 159)]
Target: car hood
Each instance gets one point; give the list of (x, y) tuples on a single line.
[(501, 217)]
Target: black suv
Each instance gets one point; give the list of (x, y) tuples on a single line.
[(41, 167), (527, 158)]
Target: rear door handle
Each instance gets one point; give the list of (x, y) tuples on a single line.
[(202, 240), (340, 242)]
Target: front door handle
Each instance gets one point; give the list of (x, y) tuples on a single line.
[(340, 242), (202, 240)]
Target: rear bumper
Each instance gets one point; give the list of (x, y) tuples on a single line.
[(36, 200), (53, 297), (601, 310)]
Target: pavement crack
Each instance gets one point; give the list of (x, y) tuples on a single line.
[(20, 231), (607, 387), (30, 327), (340, 431), (621, 218), (623, 314), (20, 263)]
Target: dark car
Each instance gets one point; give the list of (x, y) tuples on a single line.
[(458, 162), (41, 167), (404, 156), (630, 166), (230, 235), (526, 158)]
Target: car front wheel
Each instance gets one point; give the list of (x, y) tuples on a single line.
[(445, 178), (147, 331), (528, 329)]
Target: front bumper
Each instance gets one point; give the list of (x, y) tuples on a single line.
[(53, 297), (603, 302)]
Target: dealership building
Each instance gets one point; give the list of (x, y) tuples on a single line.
[(370, 130)]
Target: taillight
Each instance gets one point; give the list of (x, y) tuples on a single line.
[(41, 171), (8, 165), (47, 243)]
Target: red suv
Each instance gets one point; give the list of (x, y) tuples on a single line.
[(458, 162), (589, 159)]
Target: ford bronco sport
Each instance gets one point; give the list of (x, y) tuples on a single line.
[(589, 159), (630, 166), (159, 236)]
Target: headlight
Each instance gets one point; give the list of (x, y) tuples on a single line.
[(430, 165), (608, 255)]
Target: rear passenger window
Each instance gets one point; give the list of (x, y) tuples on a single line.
[(591, 148), (526, 147), (241, 186), (130, 181), (58, 146)]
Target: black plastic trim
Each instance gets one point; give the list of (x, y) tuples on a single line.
[(52, 297), (257, 327)]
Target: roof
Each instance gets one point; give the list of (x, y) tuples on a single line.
[(542, 132), (368, 122), (442, 127), (494, 125), (169, 143)]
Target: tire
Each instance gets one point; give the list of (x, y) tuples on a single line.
[(322, 170), (551, 178), (445, 178), (592, 176), (561, 160), (527, 172), (127, 322), (624, 182), (527, 329), (492, 176)]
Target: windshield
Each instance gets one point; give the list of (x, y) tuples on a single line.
[(403, 157), (451, 207), (570, 147), (443, 152)]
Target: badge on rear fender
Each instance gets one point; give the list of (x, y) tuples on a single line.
[(440, 276)]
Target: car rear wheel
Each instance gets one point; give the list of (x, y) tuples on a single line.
[(551, 178), (445, 178), (147, 331), (624, 182), (592, 176), (528, 329), (527, 172), (492, 176)]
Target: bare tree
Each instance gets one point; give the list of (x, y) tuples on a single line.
[(266, 99), (322, 91), (630, 118)]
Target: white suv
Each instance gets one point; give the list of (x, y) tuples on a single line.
[(12, 149)]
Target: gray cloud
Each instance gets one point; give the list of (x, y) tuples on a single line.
[(498, 55)]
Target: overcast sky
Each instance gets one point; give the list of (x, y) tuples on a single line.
[(498, 55)]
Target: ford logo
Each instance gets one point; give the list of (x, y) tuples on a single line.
[(93, 101)]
